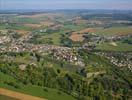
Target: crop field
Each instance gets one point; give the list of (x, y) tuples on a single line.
[(25, 20), (47, 23), (114, 31), (78, 35), (73, 27), (15, 27), (33, 25), (41, 15)]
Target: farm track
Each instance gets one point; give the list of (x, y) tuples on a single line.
[(19, 96)]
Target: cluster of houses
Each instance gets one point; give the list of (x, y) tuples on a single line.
[(68, 55), (65, 53), (20, 45), (118, 59), (117, 37), (26, 47), (98, 39), (4, 39), (91, 40), (88, 46), (58, 52)]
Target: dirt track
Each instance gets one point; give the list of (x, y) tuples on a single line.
[(18, 95)]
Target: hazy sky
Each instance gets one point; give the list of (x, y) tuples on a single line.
[(66, 4)]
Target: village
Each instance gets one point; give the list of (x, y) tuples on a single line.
[(58, 52), (10, 44), (118, 59)]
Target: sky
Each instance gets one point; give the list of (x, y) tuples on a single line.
[(66, 4)]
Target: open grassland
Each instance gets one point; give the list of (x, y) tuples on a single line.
[(118, 46), (114, 31)]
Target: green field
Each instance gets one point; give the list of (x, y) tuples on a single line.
[(15, 27), (46, 38), (73, 27), (114, 31), (55, 37), (120, 47), (26, 20)]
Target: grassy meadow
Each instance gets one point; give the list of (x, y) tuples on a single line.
[(119, 46)]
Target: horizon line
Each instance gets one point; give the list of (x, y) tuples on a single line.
[(68, 9)]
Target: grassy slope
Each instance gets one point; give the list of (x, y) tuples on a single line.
[(3, 97), (51, 94)]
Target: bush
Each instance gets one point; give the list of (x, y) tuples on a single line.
[(45, 89), (59, 93), (58, 71), (13, 84)]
